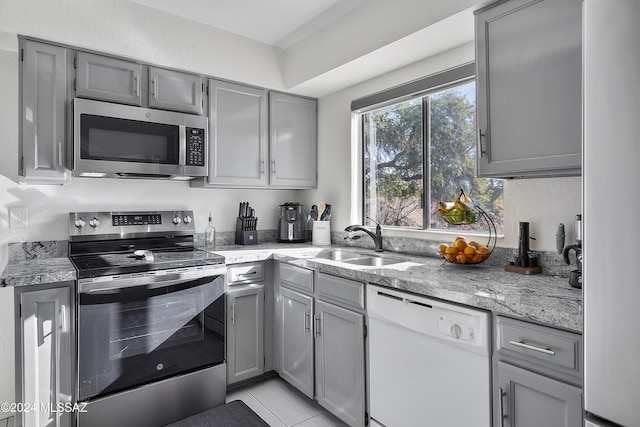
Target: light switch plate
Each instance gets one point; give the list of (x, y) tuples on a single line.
[(18, 217)]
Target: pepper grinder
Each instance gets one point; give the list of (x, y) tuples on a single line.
[(523, 245)]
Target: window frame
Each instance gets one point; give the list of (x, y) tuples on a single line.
[(420, 88)]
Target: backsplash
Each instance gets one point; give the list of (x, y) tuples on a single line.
[(551, 262)]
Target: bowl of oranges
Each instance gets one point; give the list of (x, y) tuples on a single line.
[(462, 252)]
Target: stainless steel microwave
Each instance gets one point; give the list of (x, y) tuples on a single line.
[(121, 141)]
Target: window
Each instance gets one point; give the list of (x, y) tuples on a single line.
[(422, 150)]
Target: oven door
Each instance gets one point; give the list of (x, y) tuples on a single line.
[(123, 141), (144, 328)]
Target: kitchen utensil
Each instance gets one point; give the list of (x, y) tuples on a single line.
[(321, 208), (313, 213), (326, 215)]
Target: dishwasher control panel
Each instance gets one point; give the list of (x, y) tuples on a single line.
[(457, 328)]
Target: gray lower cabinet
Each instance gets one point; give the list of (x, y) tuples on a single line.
[(339, 362), (43, 86), (528, 399), (238, 135), (529, 90), (293, 128), (537, 378), (175, 90), (108, 79), (44, 347), (245, 332), (296, 335)]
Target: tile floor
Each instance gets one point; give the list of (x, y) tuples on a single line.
[(281, 405)]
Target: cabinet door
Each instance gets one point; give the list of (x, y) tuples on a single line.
[(340, 362), (245, 323), (46, 350), (238, 135), (297, 340), (529, 62), (527, 399), (293, 141), (108, 79), (42, 114), (175, 91)]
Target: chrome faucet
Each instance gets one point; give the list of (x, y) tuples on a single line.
[(377, 237)]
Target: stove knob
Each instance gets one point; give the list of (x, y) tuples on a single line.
[(94, 222), (187, 219), (80, 223), (456, 331), (176, 220)]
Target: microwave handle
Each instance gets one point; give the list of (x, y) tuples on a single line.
[(182, 155)]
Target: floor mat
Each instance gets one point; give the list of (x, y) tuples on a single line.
[(232, 414)]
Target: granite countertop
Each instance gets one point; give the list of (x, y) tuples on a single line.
[(540, 298), (38, 271)]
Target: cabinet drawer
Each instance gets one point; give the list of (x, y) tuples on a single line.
[(539, 344), (243, 273), (341, 291), (296, 277)]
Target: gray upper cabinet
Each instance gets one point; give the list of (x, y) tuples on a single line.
[(238, 135), (175, 90), (528, 59), (45, 355), (43, 86), (293, 141), (108, 79)]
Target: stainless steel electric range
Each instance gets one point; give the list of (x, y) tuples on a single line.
[(150, 318)]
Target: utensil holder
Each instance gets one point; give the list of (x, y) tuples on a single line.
[(321, 233), (245, 237)]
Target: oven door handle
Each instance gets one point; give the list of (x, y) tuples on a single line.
[(151, 281)]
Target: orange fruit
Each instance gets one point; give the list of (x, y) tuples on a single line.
[(482, 253), (461, 258), (460, 244), (459, 238), (474, 244), (450, 253), (442, 248), (470, 250)]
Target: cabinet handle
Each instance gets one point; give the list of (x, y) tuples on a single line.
[(273, 166), (307, 322), (153, 87), (480, 137), (317, 325), (262, 167), (248, 274), (532, 347), (63, 319), (233, 313), (59, 153), (501, 406), (136, 84)]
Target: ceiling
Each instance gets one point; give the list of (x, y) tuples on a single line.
[(280, 23)]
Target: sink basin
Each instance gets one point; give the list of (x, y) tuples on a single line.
[(337, 255), (373, 261)]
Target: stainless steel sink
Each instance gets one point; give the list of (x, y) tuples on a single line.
[(373, 261), (337, 255)]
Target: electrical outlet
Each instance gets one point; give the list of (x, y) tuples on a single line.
[(18, 217)]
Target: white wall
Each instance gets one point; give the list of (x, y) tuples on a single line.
[(542, 202)]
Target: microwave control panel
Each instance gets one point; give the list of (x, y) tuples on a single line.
[(195, 147)]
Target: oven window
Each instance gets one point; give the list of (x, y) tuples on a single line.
[(133, 336), (122, 140)]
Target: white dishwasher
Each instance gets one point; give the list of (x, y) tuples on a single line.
[(429, 362)]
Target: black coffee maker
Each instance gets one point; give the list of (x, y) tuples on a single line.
[(575, 276)]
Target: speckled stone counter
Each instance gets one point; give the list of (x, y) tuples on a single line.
[(541, 298), (37, 271)]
